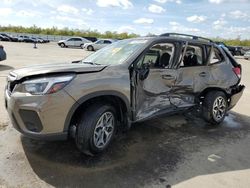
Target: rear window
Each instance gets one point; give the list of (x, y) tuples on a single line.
[(230, 57)]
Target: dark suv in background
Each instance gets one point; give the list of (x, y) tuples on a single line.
[(2, 53), (235, 50), (128, 81)]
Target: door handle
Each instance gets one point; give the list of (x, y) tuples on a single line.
[(203, 74), (168, 77)]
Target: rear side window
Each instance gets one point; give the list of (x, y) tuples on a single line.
[(193, 56), (100, 42), (107, 42), (216, 56)]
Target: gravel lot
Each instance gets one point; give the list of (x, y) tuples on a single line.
[(181, 150)]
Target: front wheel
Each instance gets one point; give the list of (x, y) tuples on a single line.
[(62, 45), (214, 107), (96, 128)]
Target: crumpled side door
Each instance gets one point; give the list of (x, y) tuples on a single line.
[(152, 94)]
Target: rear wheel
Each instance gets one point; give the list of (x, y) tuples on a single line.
[(214, 107), (96, 128), (90, 48)]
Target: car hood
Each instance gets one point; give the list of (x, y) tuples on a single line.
[(56, 68), (88, 43), (61, 41)]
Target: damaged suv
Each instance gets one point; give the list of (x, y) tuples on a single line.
[(128, 81)]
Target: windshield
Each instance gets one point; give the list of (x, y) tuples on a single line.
[(115, 53)]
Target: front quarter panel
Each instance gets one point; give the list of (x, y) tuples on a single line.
[(112, 80)]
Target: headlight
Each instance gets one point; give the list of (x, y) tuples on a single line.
[(46, 85)]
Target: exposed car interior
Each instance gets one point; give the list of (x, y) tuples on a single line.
[(158, 56), (192, 57)]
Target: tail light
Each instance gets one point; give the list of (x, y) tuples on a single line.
[(237, 71)]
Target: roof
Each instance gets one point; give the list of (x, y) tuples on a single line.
[(186, 37)]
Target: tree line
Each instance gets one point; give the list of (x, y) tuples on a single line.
[(94, 33), (66, 32)]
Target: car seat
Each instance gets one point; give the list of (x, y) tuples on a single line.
[(190, 60), (164, 60)]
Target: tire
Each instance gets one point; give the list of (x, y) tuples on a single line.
[(214, 107), (91, 134), (62, 45), (90, 48), (82, 46)]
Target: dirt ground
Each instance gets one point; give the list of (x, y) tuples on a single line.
[(178, 151)]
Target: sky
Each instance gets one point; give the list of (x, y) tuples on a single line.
[(208, 18)]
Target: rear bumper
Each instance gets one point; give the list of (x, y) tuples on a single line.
[(236, 95)]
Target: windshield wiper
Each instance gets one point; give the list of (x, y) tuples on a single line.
[(90, 63)]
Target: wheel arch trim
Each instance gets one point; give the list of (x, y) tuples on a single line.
[(87, 97), (208, 89)]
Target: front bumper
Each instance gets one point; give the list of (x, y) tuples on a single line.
[(41, 116)]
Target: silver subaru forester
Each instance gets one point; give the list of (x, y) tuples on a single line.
[(128, 81)]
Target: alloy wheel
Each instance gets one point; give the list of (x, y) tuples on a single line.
[(219, 108), (104, 130)]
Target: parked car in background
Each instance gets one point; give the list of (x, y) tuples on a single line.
[(4, 38), (93, 46), (42, 40), (2, 53), (126, 82), (235, 50), (22, 38), (30, 40), (247, 55), (92, 39), (73, 42), (11, 38)]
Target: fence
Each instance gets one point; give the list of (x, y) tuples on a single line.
[(54, 38)]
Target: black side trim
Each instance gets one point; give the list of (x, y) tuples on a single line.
[(31, 120), (37, 136), (90, 96)]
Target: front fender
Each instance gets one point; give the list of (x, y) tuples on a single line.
[(87, 97)]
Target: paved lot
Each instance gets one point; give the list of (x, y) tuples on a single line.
[(181, 150)]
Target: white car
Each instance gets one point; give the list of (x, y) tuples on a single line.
[(247, 55), (93, 46), (73, 42)]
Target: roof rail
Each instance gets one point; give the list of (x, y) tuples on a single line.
[(185, 35)]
